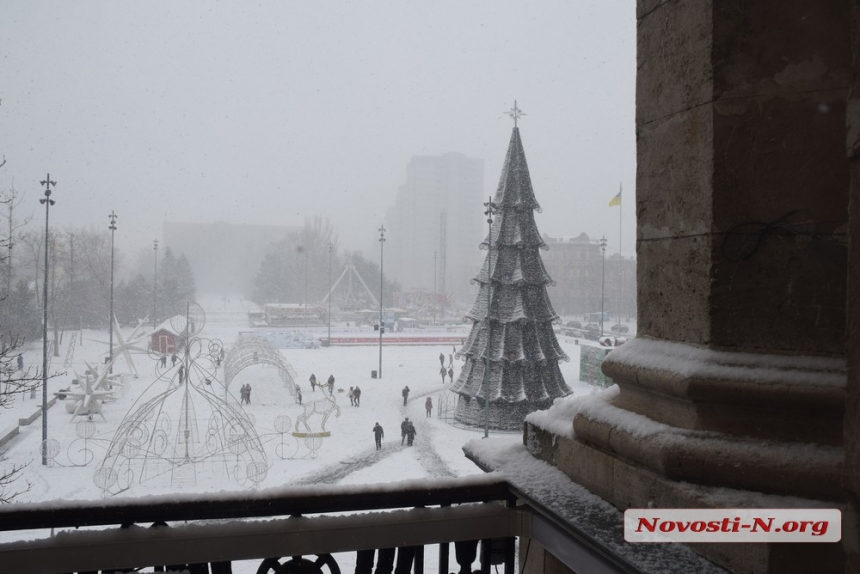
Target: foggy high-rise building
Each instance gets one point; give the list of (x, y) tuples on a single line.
[(437, 216)]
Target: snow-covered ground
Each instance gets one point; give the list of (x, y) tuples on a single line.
[(348, 456)]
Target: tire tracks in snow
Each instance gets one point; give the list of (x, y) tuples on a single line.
[(427, 455)]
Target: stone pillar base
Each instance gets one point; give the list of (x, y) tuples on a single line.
[(629, 484)]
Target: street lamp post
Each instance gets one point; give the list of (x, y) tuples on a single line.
[(381, 322), (435, 296), (602, 281), (48, 202), (485, 383), (112, 228), (155, 284), (330, 249)]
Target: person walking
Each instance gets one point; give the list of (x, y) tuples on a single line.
[(378, 434), (410, 432), (403, 427), (405, 393), (444, 373), (162, 362), (20, 362), (242, 391), (331, 384), (451, 374), (356, 396), (351, 396), (313, 381), (442, 359), (428, 405), (298, 394), (248, 393), (173, 359)]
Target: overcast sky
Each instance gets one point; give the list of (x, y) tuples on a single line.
[(268, 112)]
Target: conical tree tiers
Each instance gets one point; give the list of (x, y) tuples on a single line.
[(523, 351)]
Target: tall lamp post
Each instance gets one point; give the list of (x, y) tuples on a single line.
[(602, 281), (48, 202), (435, 296), (155, 284), (112, 228), (381, 322), (330, 249), (489, 212)]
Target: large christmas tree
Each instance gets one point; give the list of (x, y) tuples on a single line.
[(516, 325)]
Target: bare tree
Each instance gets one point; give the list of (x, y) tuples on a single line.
[(11, 199)]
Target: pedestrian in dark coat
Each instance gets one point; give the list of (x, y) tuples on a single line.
[(356, 396), (442, 359), (410, 432), (451, 374), (443, 372), (298, 394), (405, 393), (163, 361), (403, 427), (313, 381), (428, 405), (20, 362), (173, 359), (331, 384), (378, 434), (351, 396)]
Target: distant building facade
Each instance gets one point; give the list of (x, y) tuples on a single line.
[(437, 211), (224, 257), (576, 266)]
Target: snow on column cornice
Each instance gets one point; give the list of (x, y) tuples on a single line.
[(697, 362)]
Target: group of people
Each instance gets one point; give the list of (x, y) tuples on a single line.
[(329, 383), (245, 394), (407, 432), (449, 371), (355, 396)]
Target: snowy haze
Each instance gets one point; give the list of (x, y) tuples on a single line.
[(271, 112)]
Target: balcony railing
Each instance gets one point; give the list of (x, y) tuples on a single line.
[(279, 526)]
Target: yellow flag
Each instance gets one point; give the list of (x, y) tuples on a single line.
[(617, 199)]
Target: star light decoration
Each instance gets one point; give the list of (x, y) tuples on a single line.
[(515, 113), (86, 400), (131, 345)]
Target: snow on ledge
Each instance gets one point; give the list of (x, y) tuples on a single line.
[(575, 505), (275, 493), (690, 361), (558, 419)]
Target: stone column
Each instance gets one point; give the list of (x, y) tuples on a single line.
[(851, 474), (736, 379)]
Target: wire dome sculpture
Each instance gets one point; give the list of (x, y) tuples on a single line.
[(185, 426)]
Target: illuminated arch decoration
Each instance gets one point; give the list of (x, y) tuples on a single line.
[(254, 351)]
